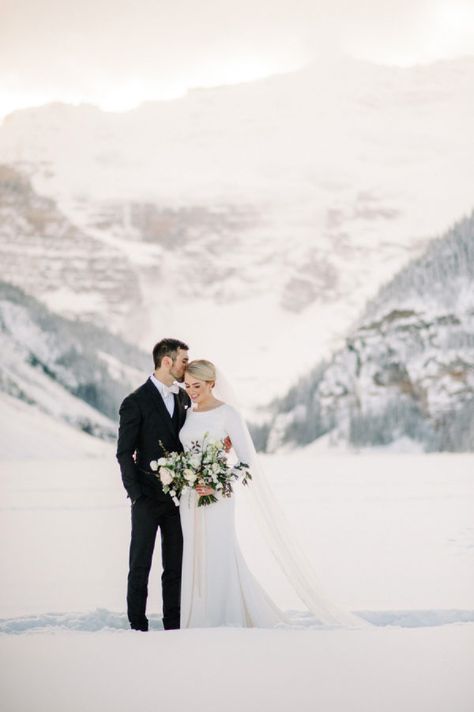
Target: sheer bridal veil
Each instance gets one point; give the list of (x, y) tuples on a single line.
[(285, 564)]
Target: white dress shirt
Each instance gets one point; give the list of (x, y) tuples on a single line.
[(165, 393)]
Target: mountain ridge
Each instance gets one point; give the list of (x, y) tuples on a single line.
[(407, 368), (72, 371), (287, 202)]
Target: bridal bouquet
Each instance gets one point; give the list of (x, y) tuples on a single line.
[(170, 471), (204, 464)]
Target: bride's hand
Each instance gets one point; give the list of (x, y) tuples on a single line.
[(203, 491)]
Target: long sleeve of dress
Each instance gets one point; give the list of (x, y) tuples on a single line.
[(240, 436)]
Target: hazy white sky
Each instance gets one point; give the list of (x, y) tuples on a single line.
[(117, 53)]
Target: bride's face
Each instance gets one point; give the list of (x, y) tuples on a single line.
[(198, 391)]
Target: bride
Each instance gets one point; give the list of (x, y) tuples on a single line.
[(217, 586)]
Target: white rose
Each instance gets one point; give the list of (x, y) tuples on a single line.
[(163, 461), (154, 465), (166, 476), (189, 476), (195, 461)]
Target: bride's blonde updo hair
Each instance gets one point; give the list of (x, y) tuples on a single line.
[(202, 370)]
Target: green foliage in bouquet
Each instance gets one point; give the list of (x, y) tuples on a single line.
[(204, 464)]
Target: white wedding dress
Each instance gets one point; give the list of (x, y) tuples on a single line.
[(217, 587)]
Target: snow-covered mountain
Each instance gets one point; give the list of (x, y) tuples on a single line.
[(70, 371), (252, 221), (43, 253), (406, 371)]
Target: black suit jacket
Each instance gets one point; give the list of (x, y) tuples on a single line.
[(144, 422)]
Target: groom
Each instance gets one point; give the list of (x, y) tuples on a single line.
[(151, 415)]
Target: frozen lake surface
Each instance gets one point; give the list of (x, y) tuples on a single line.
[(391, 537)]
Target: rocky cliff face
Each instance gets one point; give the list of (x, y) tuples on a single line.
[(42, 252), (407, 369)]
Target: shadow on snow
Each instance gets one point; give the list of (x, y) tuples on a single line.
[(104, 620)]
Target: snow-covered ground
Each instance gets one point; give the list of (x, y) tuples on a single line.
[(428, 670), (37, 435), (391, 536)]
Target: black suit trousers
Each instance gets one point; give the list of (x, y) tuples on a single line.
[(149, 514)]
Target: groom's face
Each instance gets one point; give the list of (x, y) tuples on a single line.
[(178, 366)]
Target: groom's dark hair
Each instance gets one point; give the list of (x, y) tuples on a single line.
[(167, 347)]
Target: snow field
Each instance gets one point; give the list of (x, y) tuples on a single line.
[(390, 536), (426, 670)]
